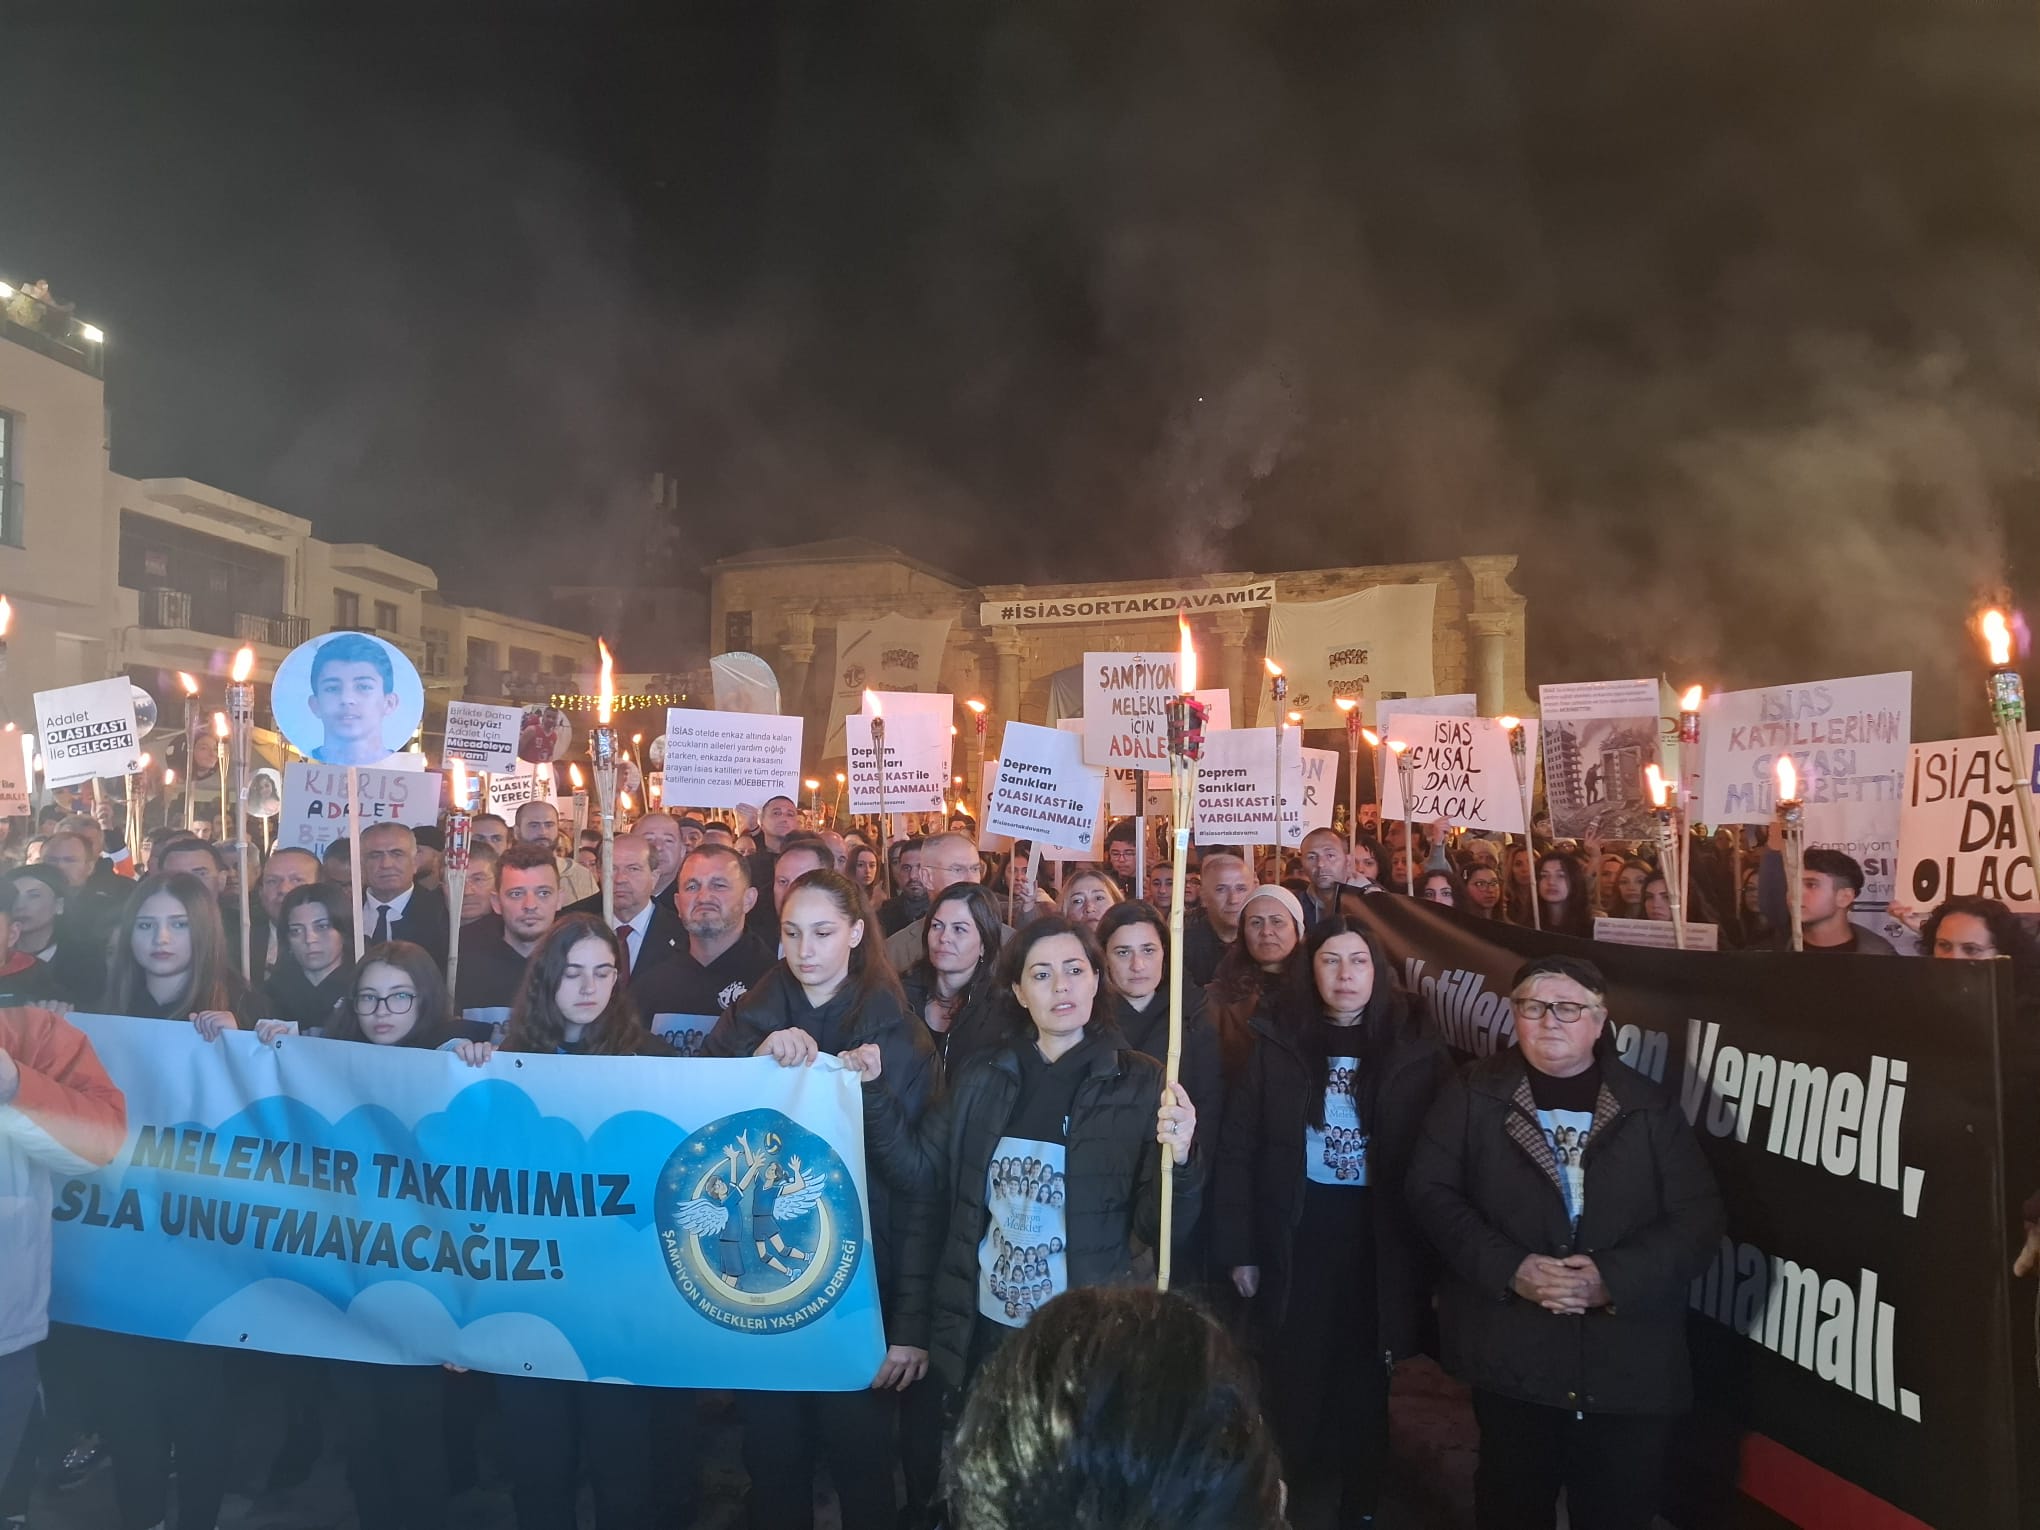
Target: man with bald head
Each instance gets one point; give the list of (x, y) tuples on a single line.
[(391, 906), (288, 868), (946, 859), (648, 930), (538, 823)]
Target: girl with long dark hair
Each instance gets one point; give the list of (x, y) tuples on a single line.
[(170, 959), (834, 991), (1562, 897), (315, 972), (1309, 1216)]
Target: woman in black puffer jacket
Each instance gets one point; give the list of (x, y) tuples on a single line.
[(1309, 1217), (1044, 1155)]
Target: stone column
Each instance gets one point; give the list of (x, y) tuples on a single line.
[(1490, 631), (1231, 670), (797, 652), (1007, 649)]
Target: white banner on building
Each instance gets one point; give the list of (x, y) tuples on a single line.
[(87, 731), (893, 653), (730, 759), (1103, 605), (1461, 770), (1358, 645), (481, 736), (315, 801)]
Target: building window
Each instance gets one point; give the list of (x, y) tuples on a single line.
[(737, 631), (524, 661), (438, 653), (481, 657), (385, 616), (564, 666), (10, 491), (346, 609)]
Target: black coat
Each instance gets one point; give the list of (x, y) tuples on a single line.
[(1259, 1183), (1113, 1177), (1200, 1071), (910, 1066), (423, 923), (1485, 1189), (978, 1027)]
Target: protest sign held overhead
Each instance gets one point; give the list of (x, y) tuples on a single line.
[(574, 1218), (510, 790), (1044, 791), (916, 778), (1235, 800), (545, 735), (727, 759), (1849, 740), (1126, 696), (1318, 790), (1461, 769), (315, 801), (87, 731), (482, 737), (1597, 737), (348, 698), (1958, 827)]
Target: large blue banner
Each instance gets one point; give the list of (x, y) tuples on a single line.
[(654, 1221)]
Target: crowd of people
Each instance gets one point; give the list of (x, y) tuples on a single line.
[(1342, 1196)]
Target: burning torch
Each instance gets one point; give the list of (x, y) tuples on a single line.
[(2008, 711), (1186, 717), (602, 756), (1669, 849), (241, 715), (1792, 816)]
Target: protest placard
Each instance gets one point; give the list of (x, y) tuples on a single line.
[(728, 759), (1656, 932), (533, 1216), (510, 790), (1958, 827), (1389, 708), (1319, 787), (1850, 740), (1235, 801), (15, 775), (1461, 770), (894, 655), (1126, 697), (1597, 738), (87, 731), (315, 801), (1043, 790), (481, 736), (916, 764)]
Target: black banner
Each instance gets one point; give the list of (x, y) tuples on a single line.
[(1853, 1343)]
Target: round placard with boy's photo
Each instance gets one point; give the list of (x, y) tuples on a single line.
[(545, 735), (348, 698)]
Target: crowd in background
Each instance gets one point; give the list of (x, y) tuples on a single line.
[(1342, 1196)]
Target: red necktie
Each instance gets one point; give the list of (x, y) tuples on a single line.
[(623, 940)]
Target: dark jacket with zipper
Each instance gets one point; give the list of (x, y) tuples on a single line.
[(1200, 1071), (1485, 1188), (1113, 1169), (1260, 1176), (978, 1026), (910, 1067)]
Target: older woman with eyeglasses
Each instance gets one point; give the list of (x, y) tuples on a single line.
[(1571, 1207)]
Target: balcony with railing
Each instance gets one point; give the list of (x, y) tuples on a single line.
[(30, 316), (165, 610)]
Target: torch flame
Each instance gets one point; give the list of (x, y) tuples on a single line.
[(1656, 778), (813, 786), (976, 706), (574, 775), (1186, 658), (1274, 669), (169, 777), (459, 785), (606, 702), (624, 799), (1788, 779), (244, 665), (1690, 702), (1998, 636), (1396, 747), (143, 763), (1509, 724), (1373, 738), (1344, 703), (219, 725), (6, 616), (190, 685), (1295, 718), (871, 705), (841, 778)]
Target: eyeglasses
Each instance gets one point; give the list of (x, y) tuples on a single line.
[(396, 1003), (1564, 1011)]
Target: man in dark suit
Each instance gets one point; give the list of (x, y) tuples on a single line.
[(391, 906), (649, 931)]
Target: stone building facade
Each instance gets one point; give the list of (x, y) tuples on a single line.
[(785, 604)]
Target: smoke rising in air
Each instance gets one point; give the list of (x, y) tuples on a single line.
[(1721, 318)]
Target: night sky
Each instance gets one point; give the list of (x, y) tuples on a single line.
[(1723, 316)]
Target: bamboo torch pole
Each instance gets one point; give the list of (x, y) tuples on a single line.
[(1186, 746)]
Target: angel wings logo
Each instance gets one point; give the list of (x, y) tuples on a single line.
[(759, 1222)]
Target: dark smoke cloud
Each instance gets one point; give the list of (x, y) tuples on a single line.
[(1721, 317)]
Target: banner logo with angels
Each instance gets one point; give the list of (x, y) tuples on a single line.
[(759, 1223)]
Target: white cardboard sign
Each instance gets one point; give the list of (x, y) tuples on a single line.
[(1461, 770), (1958, 827), (916, 764), (731, 759), (1044, 791), (87, 731), (315, 801), (481, 736), (1236, 789)]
